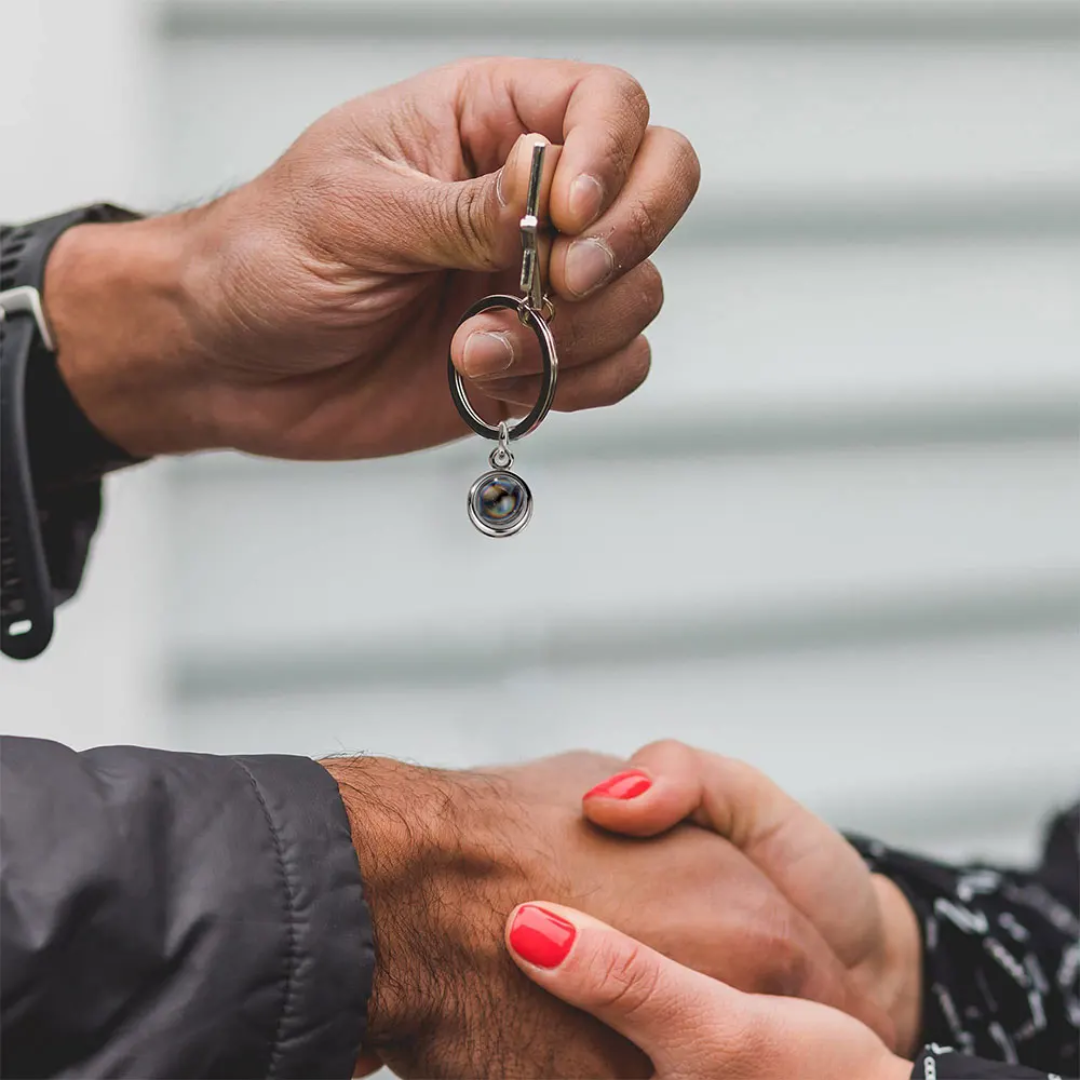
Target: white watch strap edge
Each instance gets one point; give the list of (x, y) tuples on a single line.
[(26, 299)]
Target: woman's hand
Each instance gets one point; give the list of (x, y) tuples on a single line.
[(863, 917), (692, 1027), (307, 314)]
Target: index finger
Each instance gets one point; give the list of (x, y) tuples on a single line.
[(598, 113), (606, 119)]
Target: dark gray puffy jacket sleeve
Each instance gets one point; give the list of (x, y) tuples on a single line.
[(177, 915)]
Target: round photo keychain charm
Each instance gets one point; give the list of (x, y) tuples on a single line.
[(500, 502)]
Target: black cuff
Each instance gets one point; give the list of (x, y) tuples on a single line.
[(995, 945), (943, 1063), (51, 458), (63, 447), (330, 961)]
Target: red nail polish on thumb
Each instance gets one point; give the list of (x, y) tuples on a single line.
[(625, 785), (541, 937)]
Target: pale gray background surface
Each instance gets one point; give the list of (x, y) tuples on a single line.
[(838, 531)]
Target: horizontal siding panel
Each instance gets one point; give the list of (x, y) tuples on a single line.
[(425, 657), (926, 744), (194, 17), (358, 552), (835, 326), (772, 120)]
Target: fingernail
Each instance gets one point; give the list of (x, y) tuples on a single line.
[(508, 167), (624, 785), (589, 264), (586, 197), (540, 937), (486, 354)]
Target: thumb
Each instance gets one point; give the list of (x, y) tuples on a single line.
[(665, 1009), (808, 860), (663, 784), (668, 782), (472, 224)]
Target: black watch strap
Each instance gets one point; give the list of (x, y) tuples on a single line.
[(46, 442)]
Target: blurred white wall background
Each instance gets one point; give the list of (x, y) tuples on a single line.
[(837, 533)]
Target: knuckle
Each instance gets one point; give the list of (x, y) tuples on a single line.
[(686, 163), (625, 138), (642, 352), (633, 95), (652, 289), (628, 980), (787, 966), (671, 758), (647, 231), (666, 748), (567, 336), (460, 212), (747, 775), (620, 149), (634, 370), (749, 1044)]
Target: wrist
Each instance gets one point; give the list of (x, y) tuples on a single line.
[(121, 315), (421, 865), (898, 981)]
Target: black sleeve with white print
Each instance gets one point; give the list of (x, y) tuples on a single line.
[(943, 1063), (1001, 960)]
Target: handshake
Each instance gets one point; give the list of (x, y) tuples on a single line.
[(673, 915)]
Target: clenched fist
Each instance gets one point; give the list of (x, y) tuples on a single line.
[(307, 314)]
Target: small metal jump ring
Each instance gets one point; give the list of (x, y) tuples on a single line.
[(502, 456), (546, 310), (548, 375)]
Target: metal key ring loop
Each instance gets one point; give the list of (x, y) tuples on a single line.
[(549, 360)]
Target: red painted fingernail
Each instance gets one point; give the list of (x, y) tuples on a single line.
[(624, 785), (541, 937)]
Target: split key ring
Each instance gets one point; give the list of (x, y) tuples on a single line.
[(500, 503)]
